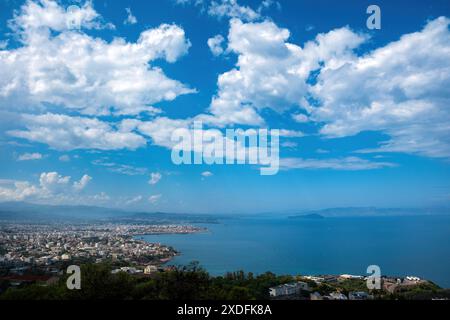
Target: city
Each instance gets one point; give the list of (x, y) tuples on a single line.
[(47, 248)]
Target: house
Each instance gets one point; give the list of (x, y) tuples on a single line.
[(317, 280), (408, 283), (390, 287), (65, 257), (129, 270), (330, 279), (350, 277), (288, 289), (278, 291), (150, 269), (413, 279)]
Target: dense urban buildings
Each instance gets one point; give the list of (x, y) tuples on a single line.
[(50, 246)]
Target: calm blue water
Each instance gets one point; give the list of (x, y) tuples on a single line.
[(401, 246)]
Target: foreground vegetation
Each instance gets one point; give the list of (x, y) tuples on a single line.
[(184, 283), (187, 283)]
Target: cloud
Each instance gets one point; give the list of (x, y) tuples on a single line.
[(228, 9), (345, 164), (291, 133), (215, 45), (267, 4), (231, 9), (53, 182), (63, 132), (134, 200), (155, 177), (194, 2), (272, 73), (131, 19), (64, 158), (207, 174), (160, 130), (124, 169), (17, 191), (70, 72), (30, 156), (3, 44), (69, 69), (289, 145), (154, 199), (400, 89), (37, 17), (300, 118), (81, 185), (53, 188)]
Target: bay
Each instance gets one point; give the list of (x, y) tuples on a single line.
[(401, 246)]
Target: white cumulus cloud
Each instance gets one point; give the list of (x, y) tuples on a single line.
[(155, 177), (271, 72), (30, 156), (345, 164), (207, 174), (232, 9), (215, 45), (401, 89), (84, 181), (64, 132), (154, 199), (77, 72), (131, 19), (53, 188)]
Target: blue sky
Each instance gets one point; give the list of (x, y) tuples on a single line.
[(86, 114)]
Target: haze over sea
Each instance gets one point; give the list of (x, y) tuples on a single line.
[(401, 246)]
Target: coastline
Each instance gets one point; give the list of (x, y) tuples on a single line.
[(177, 252)]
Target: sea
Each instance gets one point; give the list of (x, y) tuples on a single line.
[(400, 246)]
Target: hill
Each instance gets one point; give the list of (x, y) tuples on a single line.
[(23, 211), (371, 212)]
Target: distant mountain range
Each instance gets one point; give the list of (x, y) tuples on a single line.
[(22, 211), (369, 212), (311, 216)]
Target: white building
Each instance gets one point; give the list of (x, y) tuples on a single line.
[(150, 269), (413, 279), (129, 270), (350, 277), (317, 280), (288, 289)]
